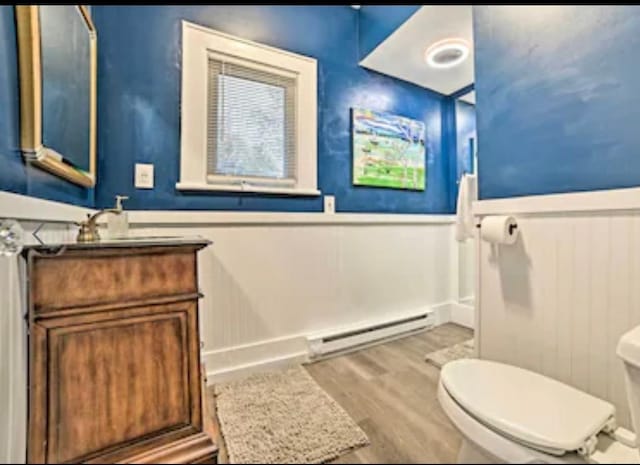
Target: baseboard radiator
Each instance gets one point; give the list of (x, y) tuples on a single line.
[(327, 345)]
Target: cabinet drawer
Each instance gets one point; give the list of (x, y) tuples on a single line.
[(105, 276)]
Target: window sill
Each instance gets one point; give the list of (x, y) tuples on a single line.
[(190, 186)]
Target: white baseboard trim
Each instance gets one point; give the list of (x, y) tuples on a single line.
[(239, 361), (463, 314), (24, 207), (442, 313), (267, 364)]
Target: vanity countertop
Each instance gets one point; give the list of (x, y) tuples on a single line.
[(137, 242)]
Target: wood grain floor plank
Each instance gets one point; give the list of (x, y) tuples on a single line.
[(390, 391), (392, 394)]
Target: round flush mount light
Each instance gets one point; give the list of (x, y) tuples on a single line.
[(447, 53)]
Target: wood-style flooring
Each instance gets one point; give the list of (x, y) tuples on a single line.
[(390, 391)]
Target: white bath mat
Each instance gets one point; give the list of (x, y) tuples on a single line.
[(448, 354), (283, 417)]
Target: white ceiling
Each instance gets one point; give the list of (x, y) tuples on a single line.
[(401, 55)]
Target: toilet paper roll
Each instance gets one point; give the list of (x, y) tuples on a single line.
[(499, 229)]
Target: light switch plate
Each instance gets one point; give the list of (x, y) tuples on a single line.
[(329, 204), (144, 176)]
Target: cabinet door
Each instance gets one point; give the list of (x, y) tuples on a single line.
[(113, 381)]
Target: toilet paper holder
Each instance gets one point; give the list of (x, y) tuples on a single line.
[(511, 227)]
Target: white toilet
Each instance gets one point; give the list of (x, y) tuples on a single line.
[(511, 415)]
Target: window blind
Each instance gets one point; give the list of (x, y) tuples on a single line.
[(251, 125)]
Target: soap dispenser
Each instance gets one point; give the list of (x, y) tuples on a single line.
[(118, 225)]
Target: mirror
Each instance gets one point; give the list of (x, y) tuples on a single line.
[(57, 60), (432, 46), (466, 137), (466, 162)]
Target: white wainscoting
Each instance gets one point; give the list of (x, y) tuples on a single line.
[(13, 337), (13, 365), (269, 286), (272, 279), (467, 270), (557, 301)]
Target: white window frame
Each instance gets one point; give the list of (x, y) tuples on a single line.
[(200, 43)]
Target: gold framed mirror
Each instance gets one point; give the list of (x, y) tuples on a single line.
[(57, 55)]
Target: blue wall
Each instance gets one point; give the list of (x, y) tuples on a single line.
[(139, 90), (557, 98), (15, 176), (377, 22)]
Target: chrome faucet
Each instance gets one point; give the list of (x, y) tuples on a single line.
[(88, 231)]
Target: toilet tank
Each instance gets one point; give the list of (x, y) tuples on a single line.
[(629, 351)]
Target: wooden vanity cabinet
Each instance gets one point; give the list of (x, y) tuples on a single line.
[(114, 355)]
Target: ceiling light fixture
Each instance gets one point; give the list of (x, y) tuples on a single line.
[(447, 53)]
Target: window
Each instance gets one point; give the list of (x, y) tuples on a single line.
[(249, 116), (251, 125)]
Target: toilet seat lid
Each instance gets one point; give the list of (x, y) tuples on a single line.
[(526, 406)]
